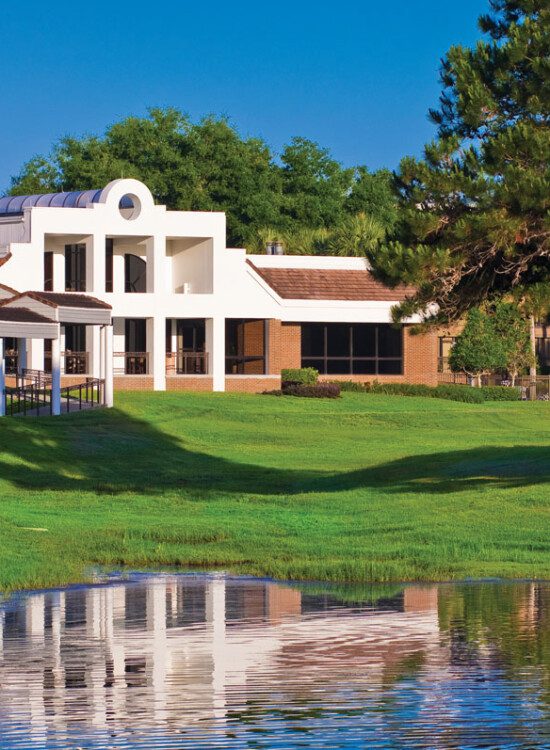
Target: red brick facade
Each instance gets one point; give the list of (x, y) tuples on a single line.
[(420, 354)]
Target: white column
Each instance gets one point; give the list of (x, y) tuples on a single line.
[(2, 380), (36, 352), (156, 258), (102, 334), (56, 376), (109, 396), (58, 272), (93, 345), (21, 355), (156, 345), (95, 264), (215, 346)]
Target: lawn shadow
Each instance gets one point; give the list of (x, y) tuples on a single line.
[(111, 452)]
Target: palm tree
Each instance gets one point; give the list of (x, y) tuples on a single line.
[(356, 236)]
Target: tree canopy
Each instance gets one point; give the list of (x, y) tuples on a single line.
[(208, 165), (475, 211)]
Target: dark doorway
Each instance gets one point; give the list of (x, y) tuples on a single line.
[(135, 336)]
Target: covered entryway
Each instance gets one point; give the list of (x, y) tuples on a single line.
[(40, 315)]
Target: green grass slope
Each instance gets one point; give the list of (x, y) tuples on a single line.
[(365, 488)]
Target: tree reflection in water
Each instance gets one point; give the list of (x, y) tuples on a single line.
[(198, 661)]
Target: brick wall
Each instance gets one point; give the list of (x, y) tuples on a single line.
[(188, 383), (251, 384), (284, 342), (133, 383)]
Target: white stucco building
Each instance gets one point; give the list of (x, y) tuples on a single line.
[(188, 312)]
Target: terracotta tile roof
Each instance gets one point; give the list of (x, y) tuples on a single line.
[(63, 299), (21, 315), (5, 258), (329, 284)]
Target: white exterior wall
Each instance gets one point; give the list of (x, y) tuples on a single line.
[(180, 248)]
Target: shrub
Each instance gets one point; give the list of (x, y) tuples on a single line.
[(300, 376), (464, 393), (319, 390), (501, 393), (352, 386)]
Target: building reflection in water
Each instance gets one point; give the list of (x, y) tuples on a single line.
[(199, 656)]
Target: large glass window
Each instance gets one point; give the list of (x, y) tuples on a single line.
[(135, 274), (75, 268), (445, 345), (357, 349), (244, 346)]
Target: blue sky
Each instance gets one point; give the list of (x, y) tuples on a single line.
[(356, 76)]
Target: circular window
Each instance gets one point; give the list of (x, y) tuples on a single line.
[(129, 206)]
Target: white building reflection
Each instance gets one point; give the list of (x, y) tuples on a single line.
[(170, 653)]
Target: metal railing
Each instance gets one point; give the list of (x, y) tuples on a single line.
[(131, 363), (38, 378), (187, 363), (75, 363), (27, 399), (11, 359), (91, 393)]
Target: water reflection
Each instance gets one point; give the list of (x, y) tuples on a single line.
[(213, 661)]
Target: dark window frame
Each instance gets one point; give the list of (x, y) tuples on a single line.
[(235, 364), (330, 363), (109, 249), (75, 268), (48, 270)]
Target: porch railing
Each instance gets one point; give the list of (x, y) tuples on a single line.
[(88, 394), (187, 363), (28, 399), (37, 378), (75, 363), (131, 363)]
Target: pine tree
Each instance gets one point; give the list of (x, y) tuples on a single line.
[(476, 209)]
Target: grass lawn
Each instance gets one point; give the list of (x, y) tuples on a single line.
[(366, 488)]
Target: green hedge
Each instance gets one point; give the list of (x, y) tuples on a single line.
[(501, 393), (300, 376), (463, 393)]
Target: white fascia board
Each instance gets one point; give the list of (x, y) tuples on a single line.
[(84, 316), (11, 329)]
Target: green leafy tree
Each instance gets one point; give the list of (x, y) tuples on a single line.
[(201, 166), (314, 185), (512, 330), (476, 209), (478, 350), (374, 194)]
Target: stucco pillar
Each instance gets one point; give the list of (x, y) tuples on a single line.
[(215, 346), (156, 255), (2, 380), (36, 351), (95, 264), (156, 345), (58, 271), (108, 357), (56, 376), (21, 355), (93, 345)]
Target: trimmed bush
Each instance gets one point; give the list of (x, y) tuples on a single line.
[(300, 376), (463, 393), (319, 390), (501, 393), (351, 385)]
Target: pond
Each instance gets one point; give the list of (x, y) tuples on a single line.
[(214, 661)]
